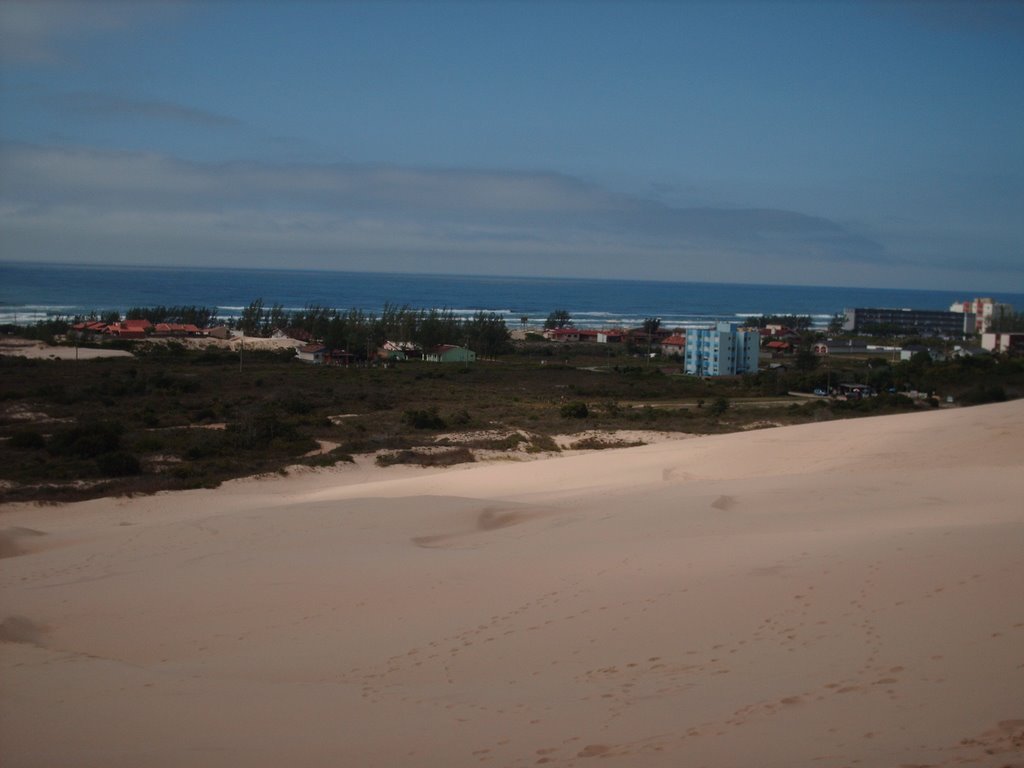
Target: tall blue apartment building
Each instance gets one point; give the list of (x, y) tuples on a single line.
[(723, 350)]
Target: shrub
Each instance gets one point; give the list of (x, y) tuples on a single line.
[(295, 404), (542, 444), (257, 430), (118, 464), (719, 406), (460, 417), (993, 393), (575, 410), (330, 458), (88, 440), (597, 444), (149, 443), (27, 440), (425, 459), (424, 419)]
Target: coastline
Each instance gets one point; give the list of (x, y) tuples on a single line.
[(808, 595), (36, 291)]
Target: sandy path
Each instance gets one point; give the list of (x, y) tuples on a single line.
[(837, 594)]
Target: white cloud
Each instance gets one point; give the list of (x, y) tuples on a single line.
[(89, 205)]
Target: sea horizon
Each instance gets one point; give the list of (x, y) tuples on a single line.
[(33, 291)]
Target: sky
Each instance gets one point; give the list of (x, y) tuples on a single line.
[(875, 144)]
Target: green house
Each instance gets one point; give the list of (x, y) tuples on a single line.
[(449, 353)]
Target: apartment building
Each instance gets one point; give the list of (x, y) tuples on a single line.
[(724, 349)]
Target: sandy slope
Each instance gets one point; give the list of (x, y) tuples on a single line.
[(838, 594)]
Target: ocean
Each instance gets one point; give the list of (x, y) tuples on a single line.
[(31, 292)]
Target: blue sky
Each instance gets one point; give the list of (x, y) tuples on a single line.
[(833, 143)]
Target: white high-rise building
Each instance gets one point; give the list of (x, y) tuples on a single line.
[(984, 311), (724, 349)]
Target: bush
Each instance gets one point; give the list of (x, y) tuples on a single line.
[(425, 459), (88, 440), (719, 406), (542, 444), (993, 393), (597, 444), (149, 444), (27, 440), (575, 410), (330, 458), (460, 417), (425, 419), (257, 430), (118, 464)]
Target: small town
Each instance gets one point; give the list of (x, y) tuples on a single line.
[(969, 328)]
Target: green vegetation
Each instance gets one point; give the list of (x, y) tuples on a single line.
[(719, 406), (172, 417), (574, 410), (559, 318), (201, 317), (445, 458), (598, 444), (361, 333)]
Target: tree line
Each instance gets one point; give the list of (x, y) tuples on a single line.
[(356, 330)]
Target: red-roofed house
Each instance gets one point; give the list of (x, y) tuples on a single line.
[(613, 336), (130, 329), (673, 345), (89, 328), (778, 347), (562, 334), (176, 329)]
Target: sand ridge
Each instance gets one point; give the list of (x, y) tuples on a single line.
[(835, 594)]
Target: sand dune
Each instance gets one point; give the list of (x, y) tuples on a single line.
[(837, 594)]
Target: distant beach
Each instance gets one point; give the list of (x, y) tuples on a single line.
[(31, 292)]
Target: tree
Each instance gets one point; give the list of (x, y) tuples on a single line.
[(251, 321), (558, 319), (806, 360), (277, 319), (651, 326), (485, 333)]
